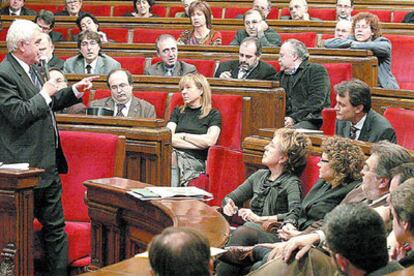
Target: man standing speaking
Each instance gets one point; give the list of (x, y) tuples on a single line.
[(29, 133)]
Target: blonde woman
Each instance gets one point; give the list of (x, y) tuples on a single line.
[(195, 127)]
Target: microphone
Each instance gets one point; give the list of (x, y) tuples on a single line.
[(45, 67)]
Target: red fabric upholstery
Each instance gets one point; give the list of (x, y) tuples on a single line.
[(230, 107), (63, 31), (3, 34), (327, 36), (176, 9), (310, 174), (402, 120), (323, 14), (2, 57), (159, 10), (217, 12), (402, 60), (79, 240), (116, 34), (233, 12), (338, 72), (383, 15), (204, 66), (227, 36), (157, 99), (101, 10), (285, 12), (85, 98), (150, 35), (50, 7), (399, 16), (329, 121), (121, 10), (309, 38), (274, 12), (274, 63), (225, 170), (134, 64)]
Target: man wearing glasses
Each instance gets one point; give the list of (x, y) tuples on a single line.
[(90, 60), (72, 8), (122, 102)]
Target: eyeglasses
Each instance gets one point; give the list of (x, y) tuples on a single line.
[(90, 43), (121, 86)]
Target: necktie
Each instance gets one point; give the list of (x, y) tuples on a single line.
[(242, 74), (88, 69), (169, 72), (13, 14), (353, 132), (120, 108), (35, 79)]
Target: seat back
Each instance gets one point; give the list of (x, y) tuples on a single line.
[(383, 15), (49, 7), (308, 38), (231, 109), (227, 36), (337, 72), (399, 16), (328, 121), (402, 120), (89, 156), (310, 174), (323, 14), (134, 64), (402, 59), (234, 12), (101, 10), (142, 35)]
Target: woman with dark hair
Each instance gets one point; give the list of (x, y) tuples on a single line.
[(201, 34), (89, 22), (366, 34), (195, 127), (339, 173), (142, 9)]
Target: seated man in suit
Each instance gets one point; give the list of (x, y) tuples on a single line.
[(72, 8), (90, 60), (16, 8), (306, 84), (299, 11), (180, 251), (167, 50), (122, 101), (46, 49), (343, 29), (249, 65), (46, 21), (402, 208), (344, 10), (255, 26), (355, 118)]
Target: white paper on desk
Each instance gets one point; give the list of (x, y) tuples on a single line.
[(15, 166), (167, 192), (214, 251)]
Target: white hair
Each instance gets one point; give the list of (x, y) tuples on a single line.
[(20, 29)]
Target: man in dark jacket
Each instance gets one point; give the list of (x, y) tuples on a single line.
[(249, 65), (46, 21), (306, 84), (16, 8)]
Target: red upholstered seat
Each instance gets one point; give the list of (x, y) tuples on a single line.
[(104, 158), (225, 168), (274, 63), (402, 120), (233, 12), (327, 36), (337, 72), (227, 36), (310, 174), (399, 16), (134, 64), (63, 31), (2, 57), (157, 99), (309, 38), (176, 9), (50, 7), (402, 59), (323, 14), (142, 35), (101, 10), (383, 15), (329, 121), (3, 34), (204, 66)]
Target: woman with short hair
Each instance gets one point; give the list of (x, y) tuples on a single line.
[(142, 9), (89, 22)]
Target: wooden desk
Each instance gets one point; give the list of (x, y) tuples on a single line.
[(16, 220), (148, 145), (127, 267), (406, 272), (122, 225)]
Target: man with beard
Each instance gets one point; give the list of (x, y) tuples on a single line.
[(90, 60), (249, 65), (122, 102), (167, 50)]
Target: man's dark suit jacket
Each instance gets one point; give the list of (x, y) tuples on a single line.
[(56, 36), (308, 94), (24, 11), (26, 123), (263, 71), (375, 128)]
